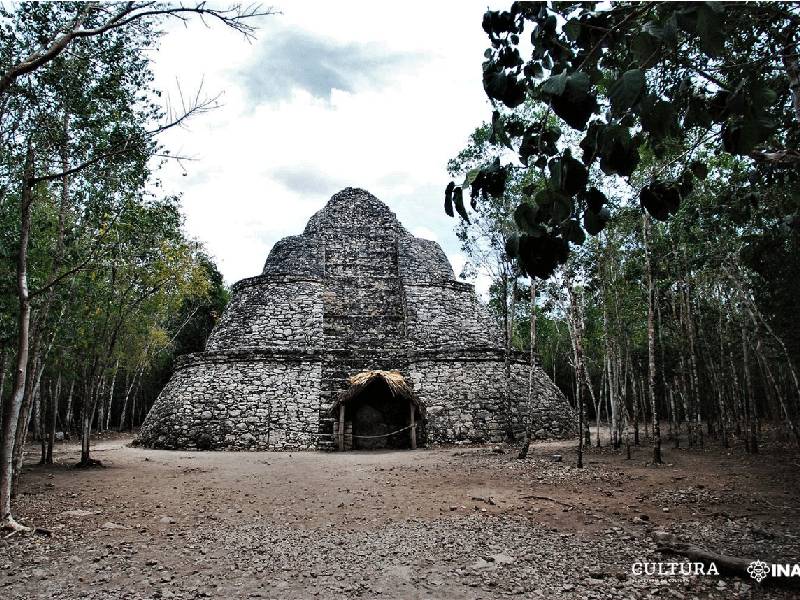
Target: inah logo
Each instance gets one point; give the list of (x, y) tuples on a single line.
[(758, 570)]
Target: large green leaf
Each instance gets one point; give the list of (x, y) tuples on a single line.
[(619, 153), (661, 199), (458, 200), (567, 174), (573, 232), (555, 85), (448, 199), (743, 135), (594, 222), (573, 29), (539, 256), (525, 217), (626, 91), (710, 28), (512, 246), (657, 116)]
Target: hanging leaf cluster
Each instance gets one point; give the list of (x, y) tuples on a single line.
[(633, 79)]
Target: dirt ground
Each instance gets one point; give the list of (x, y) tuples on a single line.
[(444, 523)]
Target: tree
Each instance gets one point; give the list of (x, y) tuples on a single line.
[(76, 104), (634, 78)]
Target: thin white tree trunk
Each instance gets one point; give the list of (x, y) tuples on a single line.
[(13, 407)]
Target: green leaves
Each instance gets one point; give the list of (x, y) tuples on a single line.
[(657, 117), (490, 180), (539, 256), (573, 29), (710, 27), (645, 47), (448, 199), (626, 91), (567, 174), (699, 170), (525, 217), (595, 215), (618, 151), (661, 199), (502, 86), (570, 97), (572, 232), (741, 136), (595, 222), (541, 142), (487, 180), (458, 200), (454, 196), (555, 85), (643, 82), (512, 246)]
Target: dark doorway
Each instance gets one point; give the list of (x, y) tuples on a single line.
[(375, 411)]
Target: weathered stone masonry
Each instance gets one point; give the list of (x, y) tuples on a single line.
[(354, 292)]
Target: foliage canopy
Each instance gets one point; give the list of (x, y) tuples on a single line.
[(634, 80)]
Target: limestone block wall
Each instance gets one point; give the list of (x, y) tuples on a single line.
[(237, 402), (447, 314), (462, 403), (421, 260), (297, 255), (362, 300), (354, 209), (464, 399), (273, 311)]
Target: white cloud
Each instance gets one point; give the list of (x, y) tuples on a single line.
[(404, 94), (424, 233)]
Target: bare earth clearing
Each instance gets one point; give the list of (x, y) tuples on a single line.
[(435, 523)]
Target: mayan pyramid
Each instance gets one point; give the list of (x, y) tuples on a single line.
[(354, 293)]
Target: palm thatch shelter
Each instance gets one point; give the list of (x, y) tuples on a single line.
[(377, 410)]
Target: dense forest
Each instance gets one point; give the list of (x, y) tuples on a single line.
[(641, 173), (101, 287), (632, 198)]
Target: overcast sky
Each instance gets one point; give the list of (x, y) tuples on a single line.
[(331, 94)]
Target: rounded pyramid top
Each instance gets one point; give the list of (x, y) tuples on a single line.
[(354, 208)]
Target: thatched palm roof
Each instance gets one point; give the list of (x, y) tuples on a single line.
[(393, 379)]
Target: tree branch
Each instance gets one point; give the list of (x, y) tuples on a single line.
[(236, 17)]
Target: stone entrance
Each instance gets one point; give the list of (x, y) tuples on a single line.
[(379, 420), (377, 412)]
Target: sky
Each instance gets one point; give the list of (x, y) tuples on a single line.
[(330, 94)]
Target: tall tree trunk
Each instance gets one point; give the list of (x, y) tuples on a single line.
[(635, 394), (737, 395), (752, 413), (683, 380), (778, 393), (673, 409), (51, 436), (87, 412), (694, 379), (111, 396), (651, 341), (12, 410), (36, 416), (3, 361), (792, 67), (666, 390), (42, 401), (507, 307), (579, 378), (523, 451), (512, 309), (68, 415)]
